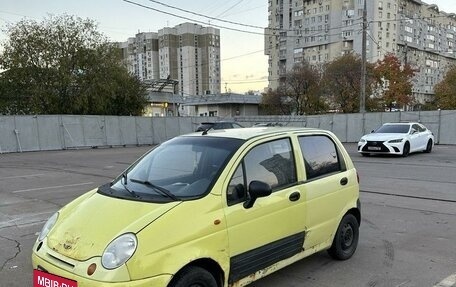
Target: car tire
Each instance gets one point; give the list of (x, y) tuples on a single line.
[(428, 146), (194, 276), (406, 149), (346, 239)]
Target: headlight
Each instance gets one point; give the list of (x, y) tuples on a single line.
[(362, 140), (47, 226), (119, 251), (395, 141)]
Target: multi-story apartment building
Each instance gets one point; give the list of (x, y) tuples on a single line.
[(321, 30), (188, 53), (140, 54)]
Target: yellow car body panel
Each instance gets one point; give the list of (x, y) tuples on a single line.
[(108, 217), (195, 230)]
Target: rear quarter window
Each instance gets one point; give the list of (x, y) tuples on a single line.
[(321, 156)]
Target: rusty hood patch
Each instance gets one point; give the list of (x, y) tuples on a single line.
[(85, 227)]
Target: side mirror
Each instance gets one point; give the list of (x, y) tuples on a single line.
[(372, 131), (257, 189), (413, 131)]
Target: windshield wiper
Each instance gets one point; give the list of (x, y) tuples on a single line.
[(124, 183), (162, 190)]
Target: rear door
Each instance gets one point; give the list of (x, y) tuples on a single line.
[(327, 187), (417, 138), (424, 136)]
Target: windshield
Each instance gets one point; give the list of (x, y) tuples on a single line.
[(180, 169), (395, 129)]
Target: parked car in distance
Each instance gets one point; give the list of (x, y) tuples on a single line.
[(397, 138), (219, 125), (270, 124), (189, 212)]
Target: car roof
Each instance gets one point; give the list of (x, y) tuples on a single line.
[(253, 132), (216, 122), (401, 123)]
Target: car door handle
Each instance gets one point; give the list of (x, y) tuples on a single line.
[(344, 181), (295, 196)]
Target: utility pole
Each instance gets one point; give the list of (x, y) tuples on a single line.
[(405, 55), (362, 97)]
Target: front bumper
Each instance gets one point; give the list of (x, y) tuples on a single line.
[(46, 260), (380, 147)]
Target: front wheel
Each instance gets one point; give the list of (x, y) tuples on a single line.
[(346, 238), (406, 149), (193, 276)]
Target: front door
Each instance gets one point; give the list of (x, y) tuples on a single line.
[(273, 228)]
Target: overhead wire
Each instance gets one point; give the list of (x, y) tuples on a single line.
[(243, 11), (190, 19), (205, 16), (231, 7)]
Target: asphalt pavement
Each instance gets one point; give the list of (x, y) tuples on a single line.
[(407, 235)]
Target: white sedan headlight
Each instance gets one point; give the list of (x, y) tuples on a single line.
[(119, 251), (362, 140), (395, 141), (48, 226)]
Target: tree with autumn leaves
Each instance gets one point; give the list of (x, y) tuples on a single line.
[(303, 89), (299, 94), (393, 82), (445, 91), (342, 84), (307, 90)]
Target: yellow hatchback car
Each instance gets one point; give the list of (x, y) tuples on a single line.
[(210, 209)]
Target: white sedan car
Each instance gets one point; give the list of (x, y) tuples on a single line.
[(397, 138)]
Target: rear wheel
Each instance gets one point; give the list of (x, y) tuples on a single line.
[(194, 276), (406, 149), (428, 146), (346, 238)]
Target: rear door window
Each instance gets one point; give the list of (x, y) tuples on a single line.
[(321, 156)]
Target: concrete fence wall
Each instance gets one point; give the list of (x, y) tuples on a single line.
[(55, 132)]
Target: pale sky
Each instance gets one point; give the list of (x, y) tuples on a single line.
[(244, 65)]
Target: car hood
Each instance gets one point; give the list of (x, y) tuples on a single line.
[(383, 136), (87, 225)]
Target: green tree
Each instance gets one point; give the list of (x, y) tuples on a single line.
[(63, 65), (394, 81), (302, 86), (275, 103), (299, 92), (445, 91), (342, 78)]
